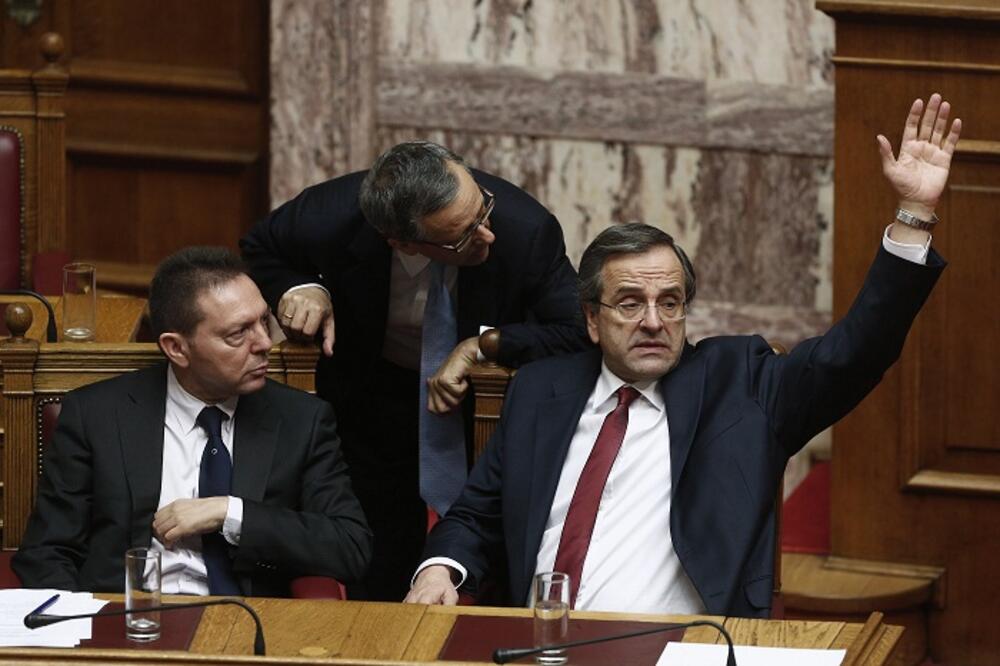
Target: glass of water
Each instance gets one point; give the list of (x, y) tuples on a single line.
[(79, 302), (142, 590), (550, 599)]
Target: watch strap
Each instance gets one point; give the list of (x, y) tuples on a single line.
[(911, 220)]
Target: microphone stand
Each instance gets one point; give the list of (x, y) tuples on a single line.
[(503, 655), (35, 620)]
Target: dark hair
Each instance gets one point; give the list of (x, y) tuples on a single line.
[(406, 183), (632, 238), (181, 278)]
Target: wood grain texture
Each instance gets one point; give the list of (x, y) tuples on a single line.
[(922, 448)]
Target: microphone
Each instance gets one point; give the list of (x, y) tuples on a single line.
[(503, 655), (35, 620)]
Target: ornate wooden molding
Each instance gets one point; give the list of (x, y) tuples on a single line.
[(133, 152), (964, 9), (89, 72)]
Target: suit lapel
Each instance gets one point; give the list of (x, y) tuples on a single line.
[(254, 443), (682, 390), (140, 426), (556, 420)]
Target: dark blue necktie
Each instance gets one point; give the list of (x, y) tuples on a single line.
[(215, 480), (442, 436)]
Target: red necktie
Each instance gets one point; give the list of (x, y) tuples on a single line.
[(582, 513)]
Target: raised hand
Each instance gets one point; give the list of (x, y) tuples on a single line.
[(920, 172)]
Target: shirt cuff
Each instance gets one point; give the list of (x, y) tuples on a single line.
[(307, 284), (448, 562), (232, 526), (915, 253)]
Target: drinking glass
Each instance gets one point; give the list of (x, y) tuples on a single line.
[(142, 590), (79, 304), (550, 599)]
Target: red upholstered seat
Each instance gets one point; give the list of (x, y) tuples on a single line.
[(10, 208)]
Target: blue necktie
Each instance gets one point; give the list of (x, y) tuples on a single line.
[(215, 480), (442, 437)]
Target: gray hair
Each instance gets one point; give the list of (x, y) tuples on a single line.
[(405, 184), (633, 238)]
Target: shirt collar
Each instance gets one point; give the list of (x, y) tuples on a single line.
[(413, 264), (608, 383), (184, 408)]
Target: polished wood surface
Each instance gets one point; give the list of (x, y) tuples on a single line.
[(346, 632), (916, 467), (167, 125), (118, 317)]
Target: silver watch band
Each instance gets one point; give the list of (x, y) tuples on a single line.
[(911, 220)]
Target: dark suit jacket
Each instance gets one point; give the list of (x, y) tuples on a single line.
[(101, 486), (736, 412), (526, 288)]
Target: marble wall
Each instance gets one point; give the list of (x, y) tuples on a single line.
[(711, 119)]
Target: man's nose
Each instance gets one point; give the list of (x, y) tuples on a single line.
[(262, 340), (486, 234), (651, 320)]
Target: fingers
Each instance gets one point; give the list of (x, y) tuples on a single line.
[(328, 330), (941, 123), (927, 125), (912, 121), (885, 150), (439, 595), (952, 139), (304, 312), (443, 396)]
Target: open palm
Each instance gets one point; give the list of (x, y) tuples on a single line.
[(921, 170)]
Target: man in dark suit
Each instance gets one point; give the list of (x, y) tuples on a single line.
[(369, 248), (238, 481), (648, 470)]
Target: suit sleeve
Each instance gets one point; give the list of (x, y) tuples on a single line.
[(824, 378), (326, 535), (277, 250), (554, 321), (55, 542)]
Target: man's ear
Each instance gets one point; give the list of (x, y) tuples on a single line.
[(590, 312), (175, 348), (403, 246)]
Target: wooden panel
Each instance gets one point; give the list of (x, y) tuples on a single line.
[(167, 122), (916, 473)]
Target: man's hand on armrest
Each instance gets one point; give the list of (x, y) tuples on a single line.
[(433, 585), (306, 310)]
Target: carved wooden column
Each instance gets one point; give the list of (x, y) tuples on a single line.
[(18, 356), (50, 89), (489, 384)]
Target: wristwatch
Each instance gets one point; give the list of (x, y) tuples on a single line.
[(911, 220)]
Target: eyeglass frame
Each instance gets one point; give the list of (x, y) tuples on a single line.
[(640, 314), (489, 201)]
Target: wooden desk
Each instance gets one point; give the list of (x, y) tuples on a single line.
[(118, 317), (351, 632)]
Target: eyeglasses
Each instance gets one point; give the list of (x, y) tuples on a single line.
[(488, 201), (668, 309)]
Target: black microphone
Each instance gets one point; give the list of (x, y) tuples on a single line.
[(503, 655), (35, 620)]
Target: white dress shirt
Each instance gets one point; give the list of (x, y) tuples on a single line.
[(183, 567)]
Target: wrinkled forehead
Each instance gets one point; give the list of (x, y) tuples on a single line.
[(657, 269), (230, 302)]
